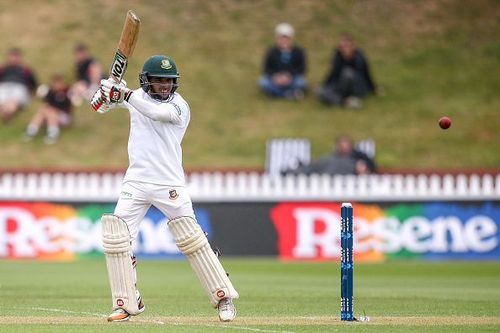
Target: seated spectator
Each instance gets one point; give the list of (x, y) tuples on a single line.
[(344, 160), (17, 84), (349, 80), (284, 66), (88, 75), (54, 113)]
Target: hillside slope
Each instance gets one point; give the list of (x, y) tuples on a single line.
[(430, 59)]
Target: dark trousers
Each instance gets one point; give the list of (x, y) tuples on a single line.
[(350, 83)]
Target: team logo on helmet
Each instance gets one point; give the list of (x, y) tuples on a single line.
[(165, 64)]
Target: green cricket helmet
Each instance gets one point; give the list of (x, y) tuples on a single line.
[(158, 66)]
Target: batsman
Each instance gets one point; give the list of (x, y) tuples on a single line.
[(159, 117)]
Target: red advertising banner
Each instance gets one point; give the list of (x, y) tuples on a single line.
[(312, 230)]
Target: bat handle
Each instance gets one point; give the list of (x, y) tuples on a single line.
[(116, 79)]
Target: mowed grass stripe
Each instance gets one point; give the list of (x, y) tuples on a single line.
[(255, 320), (276, 296)]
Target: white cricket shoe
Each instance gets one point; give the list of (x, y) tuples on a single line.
[(118, 315), (227, 310), (122, 315)]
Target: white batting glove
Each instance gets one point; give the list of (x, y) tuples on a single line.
[(115, 92), (99, 104)]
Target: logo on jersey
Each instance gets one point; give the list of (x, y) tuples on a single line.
[(178, 108), (165, 64), (126, 194), (173, 194)]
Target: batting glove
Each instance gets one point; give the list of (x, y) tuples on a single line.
[(115, 92), (98, 103)]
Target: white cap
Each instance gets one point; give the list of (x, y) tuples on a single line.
[(284, 29)]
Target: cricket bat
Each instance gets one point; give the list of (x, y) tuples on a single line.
[(124, 51), (126, 46)]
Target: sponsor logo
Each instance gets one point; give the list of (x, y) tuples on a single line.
[(126, 194), (221, 293), (173, 194), (120, 302), (115, 95), (165, 64), (312, 231), (63, 232), (178, 108), (119, 66)]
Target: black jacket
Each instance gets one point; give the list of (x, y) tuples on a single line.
[(296, 65), (335, 164), (358, 63), (20, 74)]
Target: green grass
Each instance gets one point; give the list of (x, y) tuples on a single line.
[(275, 297), (430, 58)]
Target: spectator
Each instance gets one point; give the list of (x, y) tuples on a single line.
[(55, 111), (344, 160), (349, 80), (284, 66), (88, 75), (17, 83)]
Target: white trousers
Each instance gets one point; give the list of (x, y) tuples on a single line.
[(13, 91), (137, 197)]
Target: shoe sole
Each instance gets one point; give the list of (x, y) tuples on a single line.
[(111, 320), (228, 320), (141, 310)]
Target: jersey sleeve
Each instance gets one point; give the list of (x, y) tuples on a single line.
[(182, 109), (175, 111)]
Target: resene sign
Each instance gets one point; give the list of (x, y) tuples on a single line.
[(289, 230), (430, 231), (49, 231)]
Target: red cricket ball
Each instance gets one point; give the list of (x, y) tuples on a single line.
[(444, 122)]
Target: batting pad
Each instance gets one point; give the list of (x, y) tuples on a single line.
[(192, 241), (116, 243)]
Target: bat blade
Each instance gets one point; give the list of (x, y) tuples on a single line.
[(130, 33), (126, 45)]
